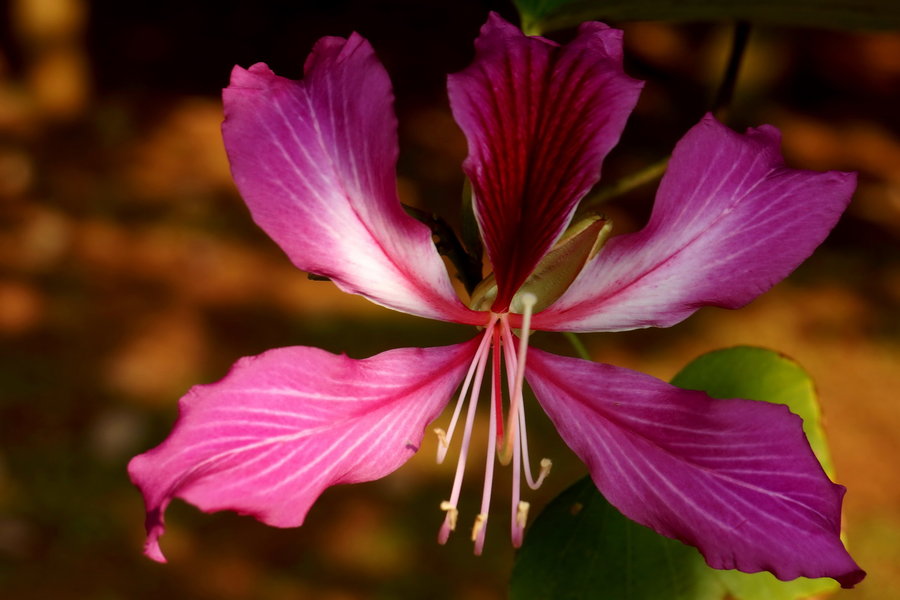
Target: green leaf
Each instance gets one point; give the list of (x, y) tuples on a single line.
[(760, 374), (580, 546), (544, 15)]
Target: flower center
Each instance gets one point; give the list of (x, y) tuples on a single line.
[(507, 443)]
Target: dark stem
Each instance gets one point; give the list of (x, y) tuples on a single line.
[(725, 93), (468, 267)]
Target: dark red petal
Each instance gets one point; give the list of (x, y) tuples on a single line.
[(539, 119)]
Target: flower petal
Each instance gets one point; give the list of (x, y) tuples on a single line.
[(735, 478), (315, 162), (730, 221), (284, 425), (539, 119)]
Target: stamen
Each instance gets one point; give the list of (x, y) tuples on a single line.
[(512, 440), (452, 514), (449, 523), (478, 530), (480, 361), (522, 514), (497, 390), (516, 530), (444, 440), (528, 300), (546, 463)]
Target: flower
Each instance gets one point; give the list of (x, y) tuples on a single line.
[(314, 160)]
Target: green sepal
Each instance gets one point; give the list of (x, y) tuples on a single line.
[(553, 275)]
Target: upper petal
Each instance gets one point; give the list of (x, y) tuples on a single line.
[(315, 162), (281, 427), (730, 221), (735, 478), (539, 119)]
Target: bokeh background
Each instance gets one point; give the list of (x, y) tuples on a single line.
[(130, 270)]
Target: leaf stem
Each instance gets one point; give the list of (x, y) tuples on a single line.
[(725, 94), (577, 344), (626, 184)]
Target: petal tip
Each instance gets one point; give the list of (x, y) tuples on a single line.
[(851, 579), (155, 529), (250, 78)]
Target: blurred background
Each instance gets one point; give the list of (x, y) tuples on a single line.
[(130, 270)]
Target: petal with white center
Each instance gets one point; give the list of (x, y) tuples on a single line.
[(539, 119), (735, 478), (730, 221), (281, 427), (315, 162)]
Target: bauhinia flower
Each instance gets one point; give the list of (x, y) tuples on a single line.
[(314, 160)]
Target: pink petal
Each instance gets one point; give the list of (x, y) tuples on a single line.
[(282, 426), (735, 478), (315, 162), (539, 119), (730, 221)]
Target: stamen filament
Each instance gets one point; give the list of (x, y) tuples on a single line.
[(507, 444), (479, 529), (444, 437), (497, 390), (528, 300), (450, 505), (546, 463), (516, 529), (510, 360)]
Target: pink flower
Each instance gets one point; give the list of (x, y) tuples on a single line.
[(314, 160)]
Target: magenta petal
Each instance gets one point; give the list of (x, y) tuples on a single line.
[(730, 221), (315, 162), (281, 427), (735, 478), (539, 119)]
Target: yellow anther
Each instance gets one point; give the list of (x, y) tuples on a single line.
[(522, 513), (480, 520), (546, 465), (452, 514), (442, 437)]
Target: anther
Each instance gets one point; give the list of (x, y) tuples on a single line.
[(546, 465), (452, 514), (522, 513), (442, 438), (480, 520)]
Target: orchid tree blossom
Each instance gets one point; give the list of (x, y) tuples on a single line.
[(315, 162)]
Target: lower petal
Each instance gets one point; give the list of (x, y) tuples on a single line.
[(281, 427), (735, 478)]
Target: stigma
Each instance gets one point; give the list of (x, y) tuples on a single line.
[(507, 442)]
